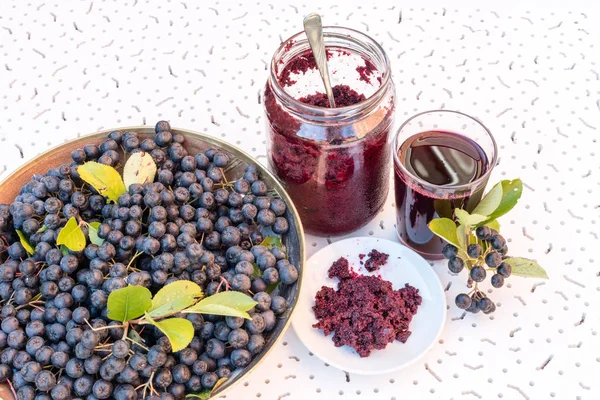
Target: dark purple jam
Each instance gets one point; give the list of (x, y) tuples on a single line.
[(376, 260), (343, 95), (365, 312), (441, 159), (337, 185)]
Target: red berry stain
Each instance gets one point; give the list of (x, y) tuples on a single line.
[(376, 260), (366, 71), (361, 257), (300, 64), (365, 312)]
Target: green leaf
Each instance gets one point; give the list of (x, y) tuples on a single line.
[(135, 336), (511, 193), (461, 215), (494, 224), (104, 178), (272, 241), (36, 297), (230, 303), (93, 233), (490, 201), (72, 236), (461, 235), (174, 297), (180, 331), (64, 249), (464, 218), (443, 208), (257, 272), (128, 303), (43, 229), (526, 268), (25, 242), (203, 395), (446, 229), (271, 287), (140, 168)]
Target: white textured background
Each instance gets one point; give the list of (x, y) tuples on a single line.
[(69, 68)]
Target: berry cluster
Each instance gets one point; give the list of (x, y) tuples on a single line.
[(56, 340), (485, 255)]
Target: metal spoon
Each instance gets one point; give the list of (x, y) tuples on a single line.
[(314, 32)]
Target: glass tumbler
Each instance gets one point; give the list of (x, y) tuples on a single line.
[(442, 161)]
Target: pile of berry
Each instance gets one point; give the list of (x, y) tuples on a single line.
[(490, 253), (190, 224)]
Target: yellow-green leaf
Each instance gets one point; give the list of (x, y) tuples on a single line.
[(104, 178), (461, 235), (219, 383), (464, 218), (43, 229), (180, 331), (272, 241), (72, 236), (93, 233), (25, 242), (493, 225), (490, 201), (526, 268), (446, 229), (257, 272), (128, 303), (230, 304), (203, 395), (140, 168), (511, 193), (174, 297)]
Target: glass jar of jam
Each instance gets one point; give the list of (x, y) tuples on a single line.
[(334, 162)]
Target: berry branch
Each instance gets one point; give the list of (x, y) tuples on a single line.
[(474, 241)]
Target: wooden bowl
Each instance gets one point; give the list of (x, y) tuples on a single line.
[(194, 142)]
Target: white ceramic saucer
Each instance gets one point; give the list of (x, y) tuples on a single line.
[(403, 266)]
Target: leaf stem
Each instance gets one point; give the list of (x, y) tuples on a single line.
[(136, 255), (125, 330)]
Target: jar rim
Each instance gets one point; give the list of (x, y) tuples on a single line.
[(423, 183), (326, 113)]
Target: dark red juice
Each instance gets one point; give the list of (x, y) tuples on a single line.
[(436, 162)]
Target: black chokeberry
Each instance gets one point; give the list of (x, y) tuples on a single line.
[(504, 269), (474, 250), (456, 264), (477, 273), (483, 233), (474, 306), (497, 242), (450, 251), (497, 280), (493, 259), (486, 305)]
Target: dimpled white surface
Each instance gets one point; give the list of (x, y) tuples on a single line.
[(70, 68)]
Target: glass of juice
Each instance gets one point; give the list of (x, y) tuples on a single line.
[(442, 161)]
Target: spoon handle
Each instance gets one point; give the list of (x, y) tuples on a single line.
[(314, 32)]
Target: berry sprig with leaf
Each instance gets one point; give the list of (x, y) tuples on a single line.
[(475, 242)]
